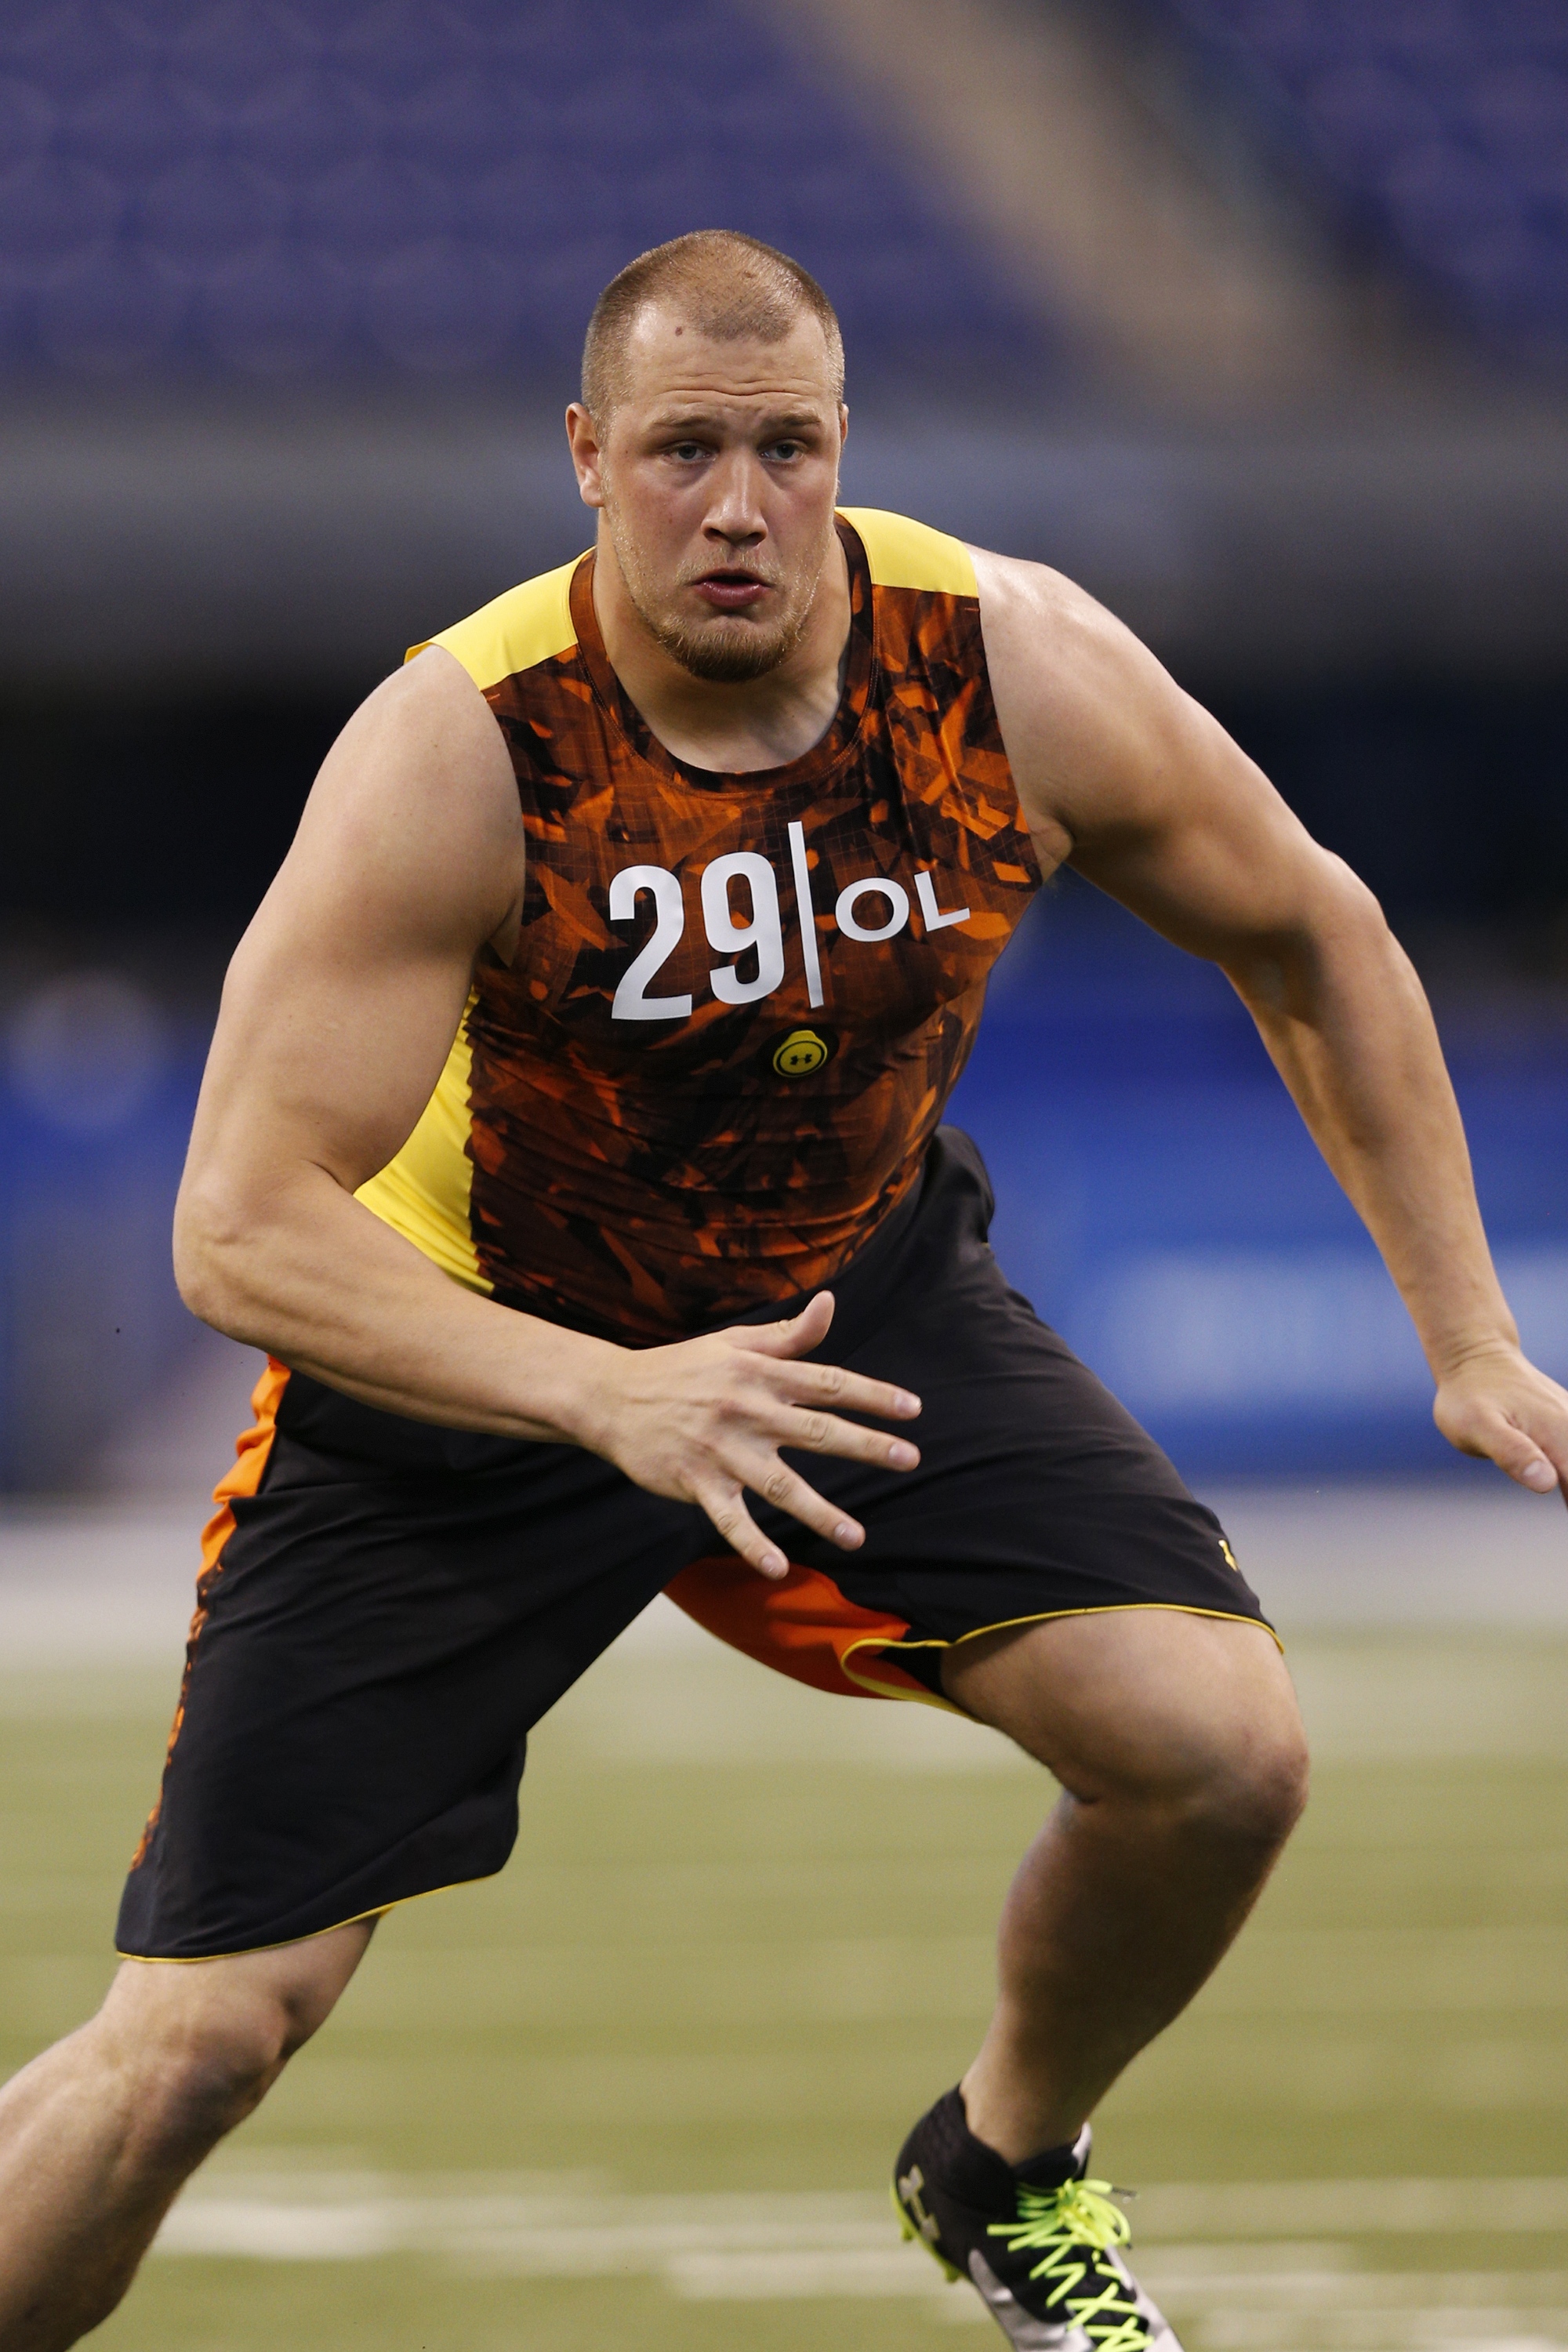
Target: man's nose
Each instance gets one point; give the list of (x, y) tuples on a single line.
[(735, 511)]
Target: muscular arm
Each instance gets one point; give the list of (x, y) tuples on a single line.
[(337, 1013), (1124, 776)]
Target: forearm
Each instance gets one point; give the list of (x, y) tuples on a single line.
[(1348, 1026), (306, 1272)]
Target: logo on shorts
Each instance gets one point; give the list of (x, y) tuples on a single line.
[(1229, 1555), (801, 1053)]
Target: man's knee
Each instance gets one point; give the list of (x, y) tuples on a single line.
[(206, 2040), (1252, 1770), (1233, 1753), (1190, 1717)]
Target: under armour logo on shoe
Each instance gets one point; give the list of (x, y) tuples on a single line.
[(911, 2183)]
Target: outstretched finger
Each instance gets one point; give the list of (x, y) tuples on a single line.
[(823, 1387), (1544, 1421), (729, 1514), (811, 1432), (786, 1490), (796, 1336), (1512, 1448)]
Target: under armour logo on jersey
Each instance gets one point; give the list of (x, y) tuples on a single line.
[(869, 912), (801, 1053)]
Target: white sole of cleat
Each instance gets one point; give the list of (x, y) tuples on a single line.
[(1022, 2329)]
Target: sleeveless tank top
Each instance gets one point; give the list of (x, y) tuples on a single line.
[(739, 1002)]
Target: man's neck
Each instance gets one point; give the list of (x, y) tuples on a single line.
[(730, 728)]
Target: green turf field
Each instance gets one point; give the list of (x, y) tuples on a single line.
[(643, 2090)]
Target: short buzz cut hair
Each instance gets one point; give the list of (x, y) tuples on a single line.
[(726, 284)]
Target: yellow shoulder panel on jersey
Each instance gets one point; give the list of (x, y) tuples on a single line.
[(905, 554), (529, 623), (424, 1193)]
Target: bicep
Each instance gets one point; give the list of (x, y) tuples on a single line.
[(1128, 779), (1194, 839), (343, 997)]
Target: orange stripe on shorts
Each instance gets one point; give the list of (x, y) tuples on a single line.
[(802, 1626), (244, 1477)]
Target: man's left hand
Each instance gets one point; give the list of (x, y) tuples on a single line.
[(1498, 1405)]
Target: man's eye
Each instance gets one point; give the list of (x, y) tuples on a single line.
[(688, 450), (785, 449)]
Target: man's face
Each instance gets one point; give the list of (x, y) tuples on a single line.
[(716, 475)]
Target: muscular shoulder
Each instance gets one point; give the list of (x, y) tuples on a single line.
[(528, 625), (415, 805), (1092, 721)]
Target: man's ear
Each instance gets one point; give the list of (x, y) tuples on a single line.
[(587, 454)]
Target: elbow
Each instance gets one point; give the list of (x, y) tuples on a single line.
[(1355, 948), (208, 1249), (1339, 916), (1337, 932), (1351, 906)]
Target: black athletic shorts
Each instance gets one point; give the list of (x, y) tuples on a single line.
[(387, 1607)]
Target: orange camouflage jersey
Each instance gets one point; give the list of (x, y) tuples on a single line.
[(740, 1001)]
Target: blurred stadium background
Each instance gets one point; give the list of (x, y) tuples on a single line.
[(1252, 315)]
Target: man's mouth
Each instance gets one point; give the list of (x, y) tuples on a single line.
[(731, 592)]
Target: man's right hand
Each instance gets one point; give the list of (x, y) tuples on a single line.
[(703, 1420)]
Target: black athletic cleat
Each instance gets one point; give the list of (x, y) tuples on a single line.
[(1041, 2244)]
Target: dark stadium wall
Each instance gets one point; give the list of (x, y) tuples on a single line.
[(126, 814)]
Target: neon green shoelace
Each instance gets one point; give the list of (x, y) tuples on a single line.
[(1069, 2227)]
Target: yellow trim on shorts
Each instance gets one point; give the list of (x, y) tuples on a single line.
[(906, 554), (1038, 1617), (250, 1951)]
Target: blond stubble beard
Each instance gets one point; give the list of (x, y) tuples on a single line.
[(729, 650)]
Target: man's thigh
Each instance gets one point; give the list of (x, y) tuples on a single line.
[(1150, 1701), (268, 2003)]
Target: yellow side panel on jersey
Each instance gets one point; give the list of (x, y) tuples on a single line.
[(424, 1193), (528, 625), (905, 554)]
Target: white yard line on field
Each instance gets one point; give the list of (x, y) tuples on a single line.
[(1234, 2261)]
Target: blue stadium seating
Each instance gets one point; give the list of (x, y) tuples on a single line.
[(1439, 127), (243, 187)]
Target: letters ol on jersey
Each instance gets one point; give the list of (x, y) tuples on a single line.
[(739, 1002)]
